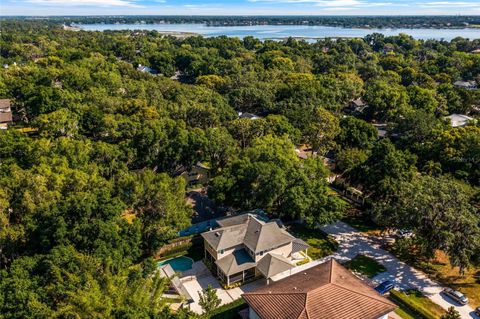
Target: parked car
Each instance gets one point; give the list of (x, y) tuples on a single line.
[(456, 296), (477, 311), (385, 287)]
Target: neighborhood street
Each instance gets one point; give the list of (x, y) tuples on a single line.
[(352, 243)]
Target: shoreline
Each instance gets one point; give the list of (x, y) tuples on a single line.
[(467, 27)]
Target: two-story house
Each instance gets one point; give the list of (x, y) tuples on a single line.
[(244, 247)]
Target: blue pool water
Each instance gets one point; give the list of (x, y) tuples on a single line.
[(284, 31), (178, 264)]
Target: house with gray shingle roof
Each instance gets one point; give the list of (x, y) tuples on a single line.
[(246, 246)]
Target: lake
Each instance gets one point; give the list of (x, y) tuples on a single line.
[(283, 31)]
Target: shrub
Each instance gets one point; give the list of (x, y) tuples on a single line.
[(401, 298), (229, 311)]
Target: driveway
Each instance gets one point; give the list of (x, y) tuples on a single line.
[(352, 243)]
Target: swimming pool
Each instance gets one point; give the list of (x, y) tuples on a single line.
[(179, 264)]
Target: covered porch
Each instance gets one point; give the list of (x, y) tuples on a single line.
[(236, 267)]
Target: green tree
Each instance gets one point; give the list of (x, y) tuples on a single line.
[(270, 176), (386, 100), (209, 300), (451, 313), (439, 212), (61, 122), (322, 131), (356, 133)]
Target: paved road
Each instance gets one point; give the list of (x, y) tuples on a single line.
[(353, 243)]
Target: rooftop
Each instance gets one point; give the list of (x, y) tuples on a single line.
[(6, 117), (236, 262), (326, 291), (273, 264), (4, 104), (249, 230), (458, 120)]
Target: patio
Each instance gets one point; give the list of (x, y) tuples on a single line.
[(199, 277)]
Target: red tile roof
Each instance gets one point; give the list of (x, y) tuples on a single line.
[(326, 291)]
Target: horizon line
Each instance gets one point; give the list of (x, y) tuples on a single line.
[(242, 15)]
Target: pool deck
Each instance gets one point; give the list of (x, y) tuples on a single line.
[(199, 277)]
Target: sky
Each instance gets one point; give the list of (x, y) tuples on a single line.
[(240, 7)]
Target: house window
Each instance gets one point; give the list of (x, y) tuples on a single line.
[(222, 251), (261, 253)]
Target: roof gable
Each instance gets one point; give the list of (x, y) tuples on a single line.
[(262, 236), (330, 292), (253, 233), (226, 237), (273, 264)]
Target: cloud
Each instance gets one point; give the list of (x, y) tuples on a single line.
[(332, 3), (446, 4), (97, 3)]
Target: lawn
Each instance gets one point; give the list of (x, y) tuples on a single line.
[(441, 270), (365, 265), (404, 312), (321, 244), (194, 251), (359, 221), (415, 301)]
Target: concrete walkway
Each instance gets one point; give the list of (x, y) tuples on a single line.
[(352, 243), (199, 277)]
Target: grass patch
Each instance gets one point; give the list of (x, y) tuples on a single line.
[(321, 244), (229, 311), (194, 251), (440, 270), (366, 266), (405, 313), (359, 221), (417, 304), (468, 284)]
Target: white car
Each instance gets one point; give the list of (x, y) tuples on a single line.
[(456, 295)]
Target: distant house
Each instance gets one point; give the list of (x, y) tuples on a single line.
[(5, 114), (249, 116), (326, 291), (476, 51), (146, 69), (388, 48), (459, 120), (198, 174), (247, 247), (469, 85), (304, 151), (176, 76), (381, 130), (302, 154), (357, 106)]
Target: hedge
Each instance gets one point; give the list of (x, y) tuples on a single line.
[(230, 310), (401, 298)]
